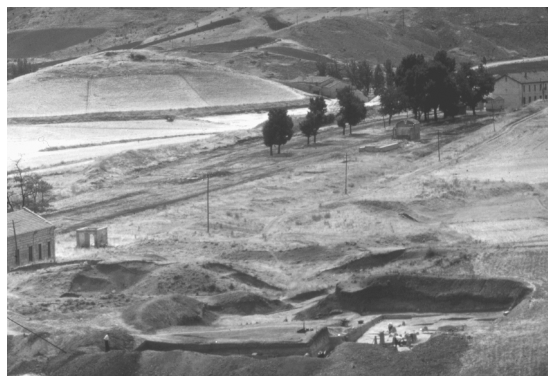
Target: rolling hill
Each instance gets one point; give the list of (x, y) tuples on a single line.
[(118, 81), (291, 37)]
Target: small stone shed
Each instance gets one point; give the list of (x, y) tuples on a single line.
[(99, 237), (409, 129), (32, 241)]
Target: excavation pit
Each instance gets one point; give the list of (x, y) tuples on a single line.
[(436, 323)]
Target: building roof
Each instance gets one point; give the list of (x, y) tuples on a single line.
[(527, 77), (26, 222)]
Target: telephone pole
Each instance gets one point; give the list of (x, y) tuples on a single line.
[(346, 173), (208, 203), (438, 155)]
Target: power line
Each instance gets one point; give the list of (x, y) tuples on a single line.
[(31, 331)]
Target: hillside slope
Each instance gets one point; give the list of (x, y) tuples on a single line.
[(375, 34), (119, 81)]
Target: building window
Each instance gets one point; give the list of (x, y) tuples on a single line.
[(534, 87), (529, 88), (40, 251), (30, 253), (48, 254), (17, 261), (523, 100), (523, 88), (534, 98), (541, 97), (529, 98), (546, 96)]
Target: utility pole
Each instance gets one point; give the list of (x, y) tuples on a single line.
[(346, 173), (208, 203), (403, 12), (493, 111), (16, 248), (438, 155)]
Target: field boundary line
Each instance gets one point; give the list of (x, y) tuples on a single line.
[(193, 88)]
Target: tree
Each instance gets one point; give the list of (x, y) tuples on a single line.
[(306, 126), (278, 130), (321, 66), (392, 101), (360, 74), (314, 118), (366, 77), (474, 84), (317, 108), (27, 190), (352, 109), (334, 70), (410, 78), (389, 73), (379, 80)]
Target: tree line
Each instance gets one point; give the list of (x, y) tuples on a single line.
[(278, 129), (428, 86), (20, 67), (418, 85)]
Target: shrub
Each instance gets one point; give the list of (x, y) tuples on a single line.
[(137, 57), (431, 253)]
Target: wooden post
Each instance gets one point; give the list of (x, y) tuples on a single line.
[(15, 238), (208, 203), (438, 155), (346, 173)]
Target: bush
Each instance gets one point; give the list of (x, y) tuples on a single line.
[(137, 57), (431, 253)]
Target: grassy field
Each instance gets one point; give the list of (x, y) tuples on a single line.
[(106, 82), (141, 92), (297, 53), (33, 43), (274, 23), (32, 97), (233, 45)]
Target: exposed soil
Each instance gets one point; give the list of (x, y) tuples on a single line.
[(167, 311), (243, 303), (410, 293)]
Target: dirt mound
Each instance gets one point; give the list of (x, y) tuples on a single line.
[(162, 312), (439, 356), (28, 353), (181, 279), (244, 303), (372, 259), (105, 277), (411, 293), (239, 276)]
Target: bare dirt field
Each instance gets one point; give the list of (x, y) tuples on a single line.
[(291, 238)]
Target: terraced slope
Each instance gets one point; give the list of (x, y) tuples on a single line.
[(114, 81)]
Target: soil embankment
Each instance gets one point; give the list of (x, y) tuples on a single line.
[(412, 293), (162, 312), (245, 303)]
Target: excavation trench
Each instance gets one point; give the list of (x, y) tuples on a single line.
[(416, 293)]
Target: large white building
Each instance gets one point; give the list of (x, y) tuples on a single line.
[(519, 89)]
